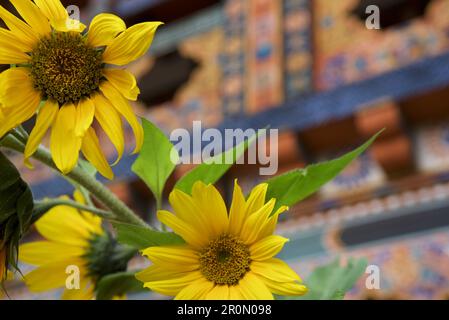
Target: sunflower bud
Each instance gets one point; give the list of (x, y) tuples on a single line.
[(16, 211)]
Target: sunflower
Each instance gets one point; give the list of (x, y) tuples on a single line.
[(73, 238), (69, 78), (225, 256)]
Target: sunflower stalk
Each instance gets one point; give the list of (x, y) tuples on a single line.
[(121, 212)]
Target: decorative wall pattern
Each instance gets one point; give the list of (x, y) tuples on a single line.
[(432, 148), (265, 55), (298, 47), (346, 51), (233, 61)]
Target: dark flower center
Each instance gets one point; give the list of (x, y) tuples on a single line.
[(225, 260), (65, 68)]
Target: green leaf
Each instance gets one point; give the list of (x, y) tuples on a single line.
[(141, 238), (154, 164), (294, 186), (211, 172), (118, 284), (332, 281)]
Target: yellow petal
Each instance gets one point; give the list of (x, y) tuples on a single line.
[(173, 286), (85, 292), (85, 111), (50, 276), (93, 153), (124, 81), (64, 143), (274, 269), (64, 225), (45, 252), (211, 203), (7, 37), (17, 108), (33, 16), (285, 288), (270, 226), (45, 118), (20, 29), (111, 123), (157, 273), (123, 107), (267, 248), (131, 44), (253, 288), (237, 213), (256, 222), (195, 291), (235, 293), (189, 234), (104, 28), (175, 258), (218, 293), (188, 211), (256, 199), (55, 12)]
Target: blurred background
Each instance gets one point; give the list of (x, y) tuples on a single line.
[(312, 69)]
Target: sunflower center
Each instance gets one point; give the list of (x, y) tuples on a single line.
[(225, 260), (65, 68)]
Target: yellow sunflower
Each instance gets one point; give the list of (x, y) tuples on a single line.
[(225, 256), (73, 238), (67, 77)]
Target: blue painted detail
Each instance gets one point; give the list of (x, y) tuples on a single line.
[(130, 7), (315, 109)]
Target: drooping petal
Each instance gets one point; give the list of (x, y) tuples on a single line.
[(189, 234), (124, 81), (211, 203), (64, 143), (17, 108), (124, 108), (64, 225), (274, 269), (195, 291), (237, 213), (45, 252), (253, 288), (256, 222), (93, 153), (44, 120), (267, 248), (111, 123), (179, 258), (33, 16), (172, 287), (20, 29), (104, 28), (131, 44), (50, 276), (85, 111)]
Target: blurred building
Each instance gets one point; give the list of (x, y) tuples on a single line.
[(314, 70)]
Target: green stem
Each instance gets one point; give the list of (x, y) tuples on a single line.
[(98, 190)]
